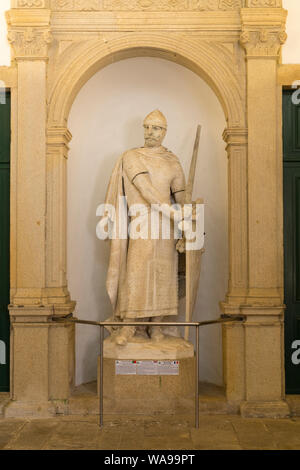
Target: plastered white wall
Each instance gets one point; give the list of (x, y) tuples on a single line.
[(291, 49), (105, 120), (4, 46)]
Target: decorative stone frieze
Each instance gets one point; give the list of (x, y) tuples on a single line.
[(146, 5)]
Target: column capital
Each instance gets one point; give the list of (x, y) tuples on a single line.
[(29, 33), (263, 31)]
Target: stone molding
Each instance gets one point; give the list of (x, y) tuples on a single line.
[(235, 136), (263, 32), (57, 138), (195, 53)]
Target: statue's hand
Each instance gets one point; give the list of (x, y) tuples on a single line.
[(180, 245)]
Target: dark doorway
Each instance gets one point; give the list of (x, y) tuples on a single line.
[(291, 190), (4, 238)]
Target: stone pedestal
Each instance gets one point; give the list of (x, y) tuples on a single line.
[(149, 394)]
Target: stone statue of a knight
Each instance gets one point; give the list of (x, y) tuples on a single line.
[(142, 279)]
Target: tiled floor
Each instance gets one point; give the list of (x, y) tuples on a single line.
[(150, 432)]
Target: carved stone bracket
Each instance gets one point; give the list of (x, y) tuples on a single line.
[(263, 39)]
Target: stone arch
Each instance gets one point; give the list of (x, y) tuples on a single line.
[(206, 59)]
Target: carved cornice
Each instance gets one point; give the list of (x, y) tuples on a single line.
[(29, 34), (146, 5), (263, 32)]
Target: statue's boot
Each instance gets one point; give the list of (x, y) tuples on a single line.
[(156, 333), (125, 334)]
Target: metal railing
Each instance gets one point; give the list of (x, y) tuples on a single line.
[(104, 324)]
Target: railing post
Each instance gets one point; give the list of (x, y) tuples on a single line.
[(101, 378), (197, 379)]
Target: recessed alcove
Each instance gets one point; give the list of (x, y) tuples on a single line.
[(105, 120)]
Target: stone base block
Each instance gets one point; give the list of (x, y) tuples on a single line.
[(272, 409), (148, 394)]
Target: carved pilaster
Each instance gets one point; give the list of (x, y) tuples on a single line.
[(29, 33), (263, 38), (236, 139), (263, 32), (58, 139)]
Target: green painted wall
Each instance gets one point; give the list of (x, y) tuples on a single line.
[(4, 239), (291, 184)]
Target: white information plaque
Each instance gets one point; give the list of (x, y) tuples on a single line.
[(167, 367), (125, 367), (147, 367)]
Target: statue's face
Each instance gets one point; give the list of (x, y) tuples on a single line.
[(154, 135)]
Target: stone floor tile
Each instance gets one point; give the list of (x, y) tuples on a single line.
[(253, 434), (75, 434), (214, 433), (165, 430), (9, 430), (285, 434), (125, 432), (33, 435)]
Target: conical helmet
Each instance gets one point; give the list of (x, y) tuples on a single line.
[(156, 118)]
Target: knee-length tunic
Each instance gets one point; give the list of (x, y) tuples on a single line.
[(149, 283)]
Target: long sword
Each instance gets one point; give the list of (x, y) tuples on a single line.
[(188, 200), (190, 183)]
